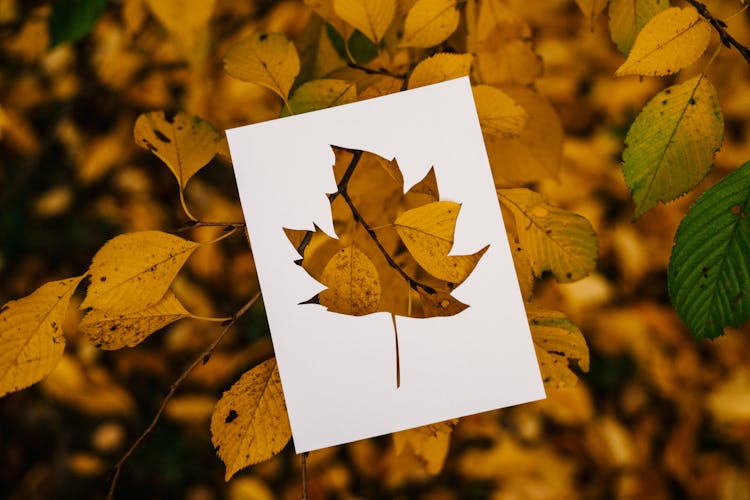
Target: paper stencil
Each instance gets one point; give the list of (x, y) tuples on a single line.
[(384, 265)]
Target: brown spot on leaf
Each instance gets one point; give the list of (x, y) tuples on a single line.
[(231, 416), (160, 135)]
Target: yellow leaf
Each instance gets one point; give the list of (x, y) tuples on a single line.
[(133, 271), (673, 39), (537, 152), (524, 273), (250, 423), (552, 239), (353, 283), (324, 8), (371, 17), (182, 21), (427, 231), (183, 142), (31, 337), (507, 61), (266, 59), (628, 17), (430, 22), (498, 112), (117, 330), (89, 390), (439, 68), (591, 9), (430, 443), (191, 408), (321, 94), (249, 488), (381, 85), (557, 342), (498, 14)]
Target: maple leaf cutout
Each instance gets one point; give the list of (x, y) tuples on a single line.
[(392, 254)]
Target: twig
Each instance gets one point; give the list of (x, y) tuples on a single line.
[(202, 359), (373, 71), (342, 190), (304, 476), (719, 25), (228, 226), (341, 185)]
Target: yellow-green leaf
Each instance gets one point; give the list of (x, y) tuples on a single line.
[(133, 271), (430, 22), (553, 239), (250, 422), (430, 443), (591, 9), (557, 342), (321, 94), (427, 231), (183, 142), (353, 283), (628, 17), (31, 336), (371, 17), (498, 112), (439, 68), (116, 330), (673, 39), (266, 59), (671, 145)]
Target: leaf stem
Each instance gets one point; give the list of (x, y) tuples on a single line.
[(202, 359), (185, 207), (212, 320), (398, 360), (719, 25)]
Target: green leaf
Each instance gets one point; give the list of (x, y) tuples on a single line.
[(73, 19), (709, 272), (670, 146)]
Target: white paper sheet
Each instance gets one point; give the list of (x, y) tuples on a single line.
[(337, 371)]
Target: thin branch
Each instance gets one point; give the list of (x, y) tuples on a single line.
[(373, 71), (202, 359), (228, 226), (719, 25), (341, 185), (414, 284), (304, 476)]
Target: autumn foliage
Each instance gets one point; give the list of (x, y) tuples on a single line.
[(617, 132)]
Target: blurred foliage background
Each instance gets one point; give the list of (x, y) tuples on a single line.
[(659, 415)]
